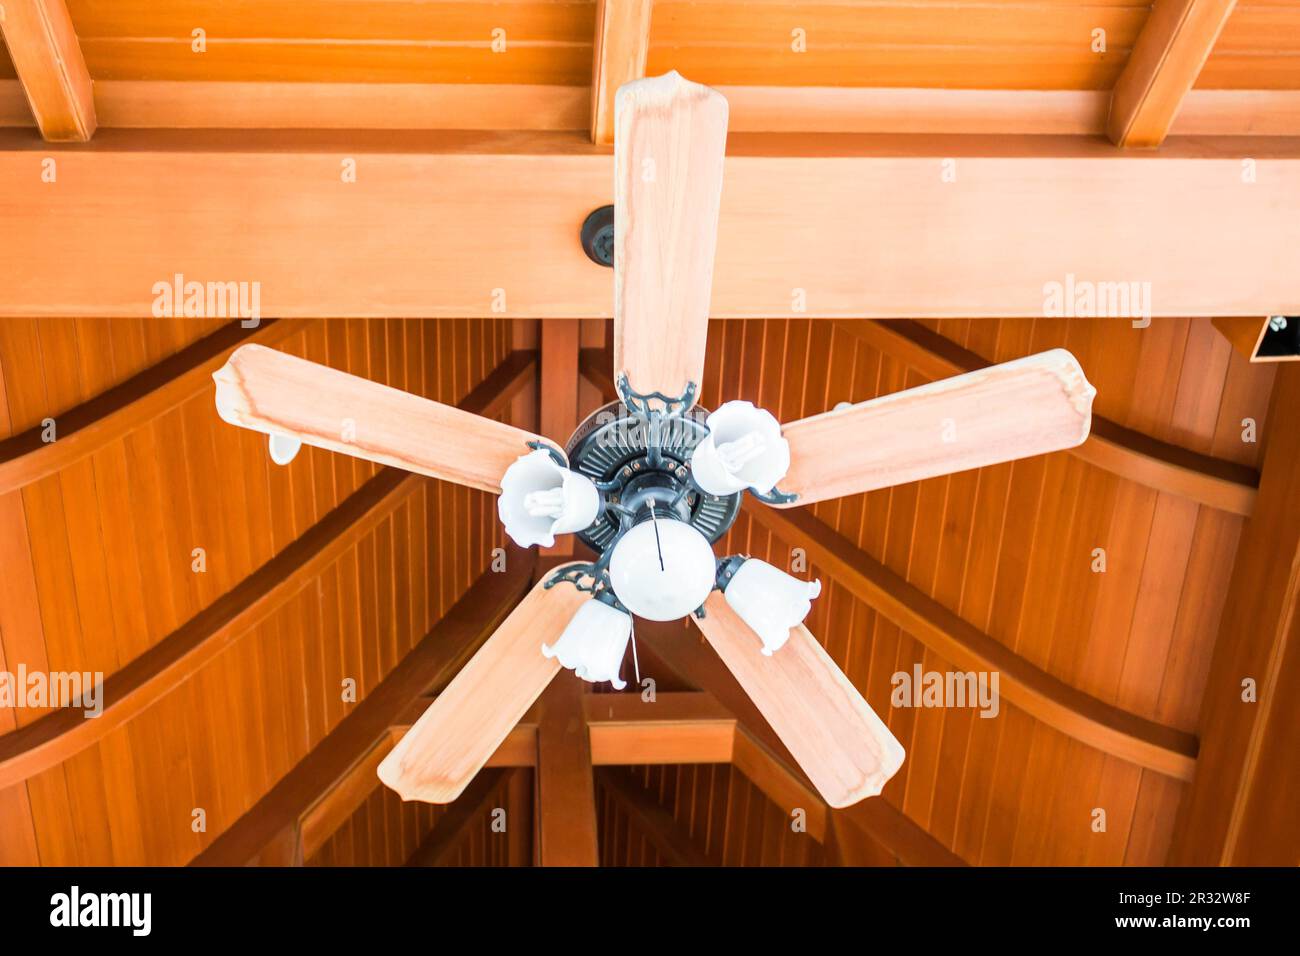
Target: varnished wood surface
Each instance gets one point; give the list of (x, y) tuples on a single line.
[(462, 728), (44, 53), (669, 141), (187, 479), (124, 209), (838, 741)]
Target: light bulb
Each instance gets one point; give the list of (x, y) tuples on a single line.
[(539, 500), (662, 570), (744, 449), (593, 643), (770, 601)]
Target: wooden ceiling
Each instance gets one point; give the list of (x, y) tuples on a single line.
[(1121, 691), (224, 688)]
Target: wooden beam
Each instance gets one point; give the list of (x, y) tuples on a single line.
[(234, 104), (86, 428), (674, 728), (432, 663), (559, 397), (424, 225), (342, 798), (472, 808), (54, 738), (1220, 484), (566, 800), (1044, 697), (651, 820), (1162, 67), (1240, 808), (47, 58), (622, 41), (683, 651)]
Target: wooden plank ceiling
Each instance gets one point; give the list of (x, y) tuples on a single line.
[(96, 571), (529, 63)]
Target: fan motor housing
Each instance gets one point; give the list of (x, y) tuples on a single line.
[(612, 448)]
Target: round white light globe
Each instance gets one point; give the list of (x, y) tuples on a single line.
[(662, 593)]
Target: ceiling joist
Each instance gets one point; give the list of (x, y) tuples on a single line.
[(47, 58), (125, 212), (1162, 68), (622, 42), (669, 837)]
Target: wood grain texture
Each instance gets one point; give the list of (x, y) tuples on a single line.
[(669, 141), (1165, 63), (837, 739), (1108, 728), (1159, 464), (269, 391), (454, 738), (622, 41), (916, 260), (566, 797), (1235, 812), (43, 45), (1031, 406)]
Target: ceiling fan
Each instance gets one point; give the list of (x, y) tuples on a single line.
[(652, 480)]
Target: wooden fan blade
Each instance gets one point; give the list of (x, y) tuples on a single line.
[(669, 140), (278, 393), (1030, 406), (467, 722), (845, 749)]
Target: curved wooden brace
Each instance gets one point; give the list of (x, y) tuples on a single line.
[(83, 430), (61, 734), (1091, 721), (1170, 468)]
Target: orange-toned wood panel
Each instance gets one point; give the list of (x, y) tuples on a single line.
[(383, 831), (1259, 49), (7, 71), (1011, 549), (101, 591), (1039, 45), (724, 814), (350, 41)]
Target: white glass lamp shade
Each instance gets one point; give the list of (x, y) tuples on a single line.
[(770, 601), (744, 449), (539, 500), (284, 448), (593, 644), (662, 591)]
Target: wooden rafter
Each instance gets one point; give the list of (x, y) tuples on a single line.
[(47, 58), (622, 42), (1163, 67), (650, 819), (46, 742), (1044, 697), (559, 395), (124, 211), (1240, 808), (432, 663), (1168, 468), (467, 811), (566, 799), (235, 104), (25, 458)]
